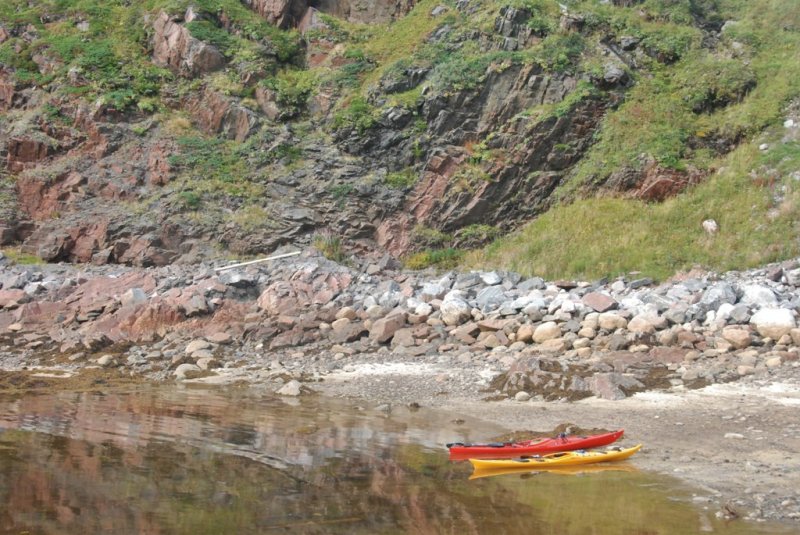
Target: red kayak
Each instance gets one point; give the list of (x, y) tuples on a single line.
[(562, 442)]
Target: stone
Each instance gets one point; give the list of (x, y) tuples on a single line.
[(220, 338), (773, 322), (546, 331), (292, 388), (758, 296), (773, 362), (611, 321), (744, 369), (522, 396), (490, 298), (739, 338), (14, 327), (710, 226), (718, 294), (599, 302), (641, 324), (383, 329), (613, 386), (208, 363), (197, 345), (132, 297), (106, 361), (553, 346), (340, 324), (525, 333), (491, 278), (185, 370), (454, 310), (346, 312), (490, 341)]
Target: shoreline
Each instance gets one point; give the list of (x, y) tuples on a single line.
[(703, 369)]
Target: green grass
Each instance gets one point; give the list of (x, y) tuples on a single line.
[(598, 237)]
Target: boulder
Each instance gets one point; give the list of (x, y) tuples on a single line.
[(641, 324), (599, 302), (739, 338), (758, 296), (773, 322), (454, 310), (611, 322), (383, 329), (546, 331)]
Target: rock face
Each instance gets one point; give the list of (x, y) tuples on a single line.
[(217, 114), (282, 13), (289, 13), (175, 48), (451, 194)]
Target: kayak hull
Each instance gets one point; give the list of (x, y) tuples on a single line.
[(535, 447), (553, 460)]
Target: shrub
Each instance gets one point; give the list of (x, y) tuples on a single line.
[(359, 115), (440, 258), (330, 245)]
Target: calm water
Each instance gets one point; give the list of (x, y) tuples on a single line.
[(198, 461)]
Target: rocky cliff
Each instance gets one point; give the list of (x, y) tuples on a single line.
[(389, 126)]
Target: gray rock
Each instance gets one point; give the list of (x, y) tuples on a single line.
[(534, 283), (491, 278), (454, 309), (490, 298), (758, 296), (718, 294)]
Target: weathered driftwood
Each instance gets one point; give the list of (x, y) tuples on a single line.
[(277, 257)]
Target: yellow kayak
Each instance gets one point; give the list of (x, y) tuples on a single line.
[(564, 470), (567, 458)]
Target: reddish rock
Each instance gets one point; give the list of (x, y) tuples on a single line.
[(217, 114), (42, 199), (159, 170), (13, 298), (304, 288), (7, 91), (267, 101), (383, 329), (175, 48), (599, 302), (395, 233), (282, 13), (493, 324), (25, 152)]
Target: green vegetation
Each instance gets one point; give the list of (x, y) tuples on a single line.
[(359, 115), (401, 179), (17, 256), (330, 245), (599, 237), (440, 258), (293, 88)]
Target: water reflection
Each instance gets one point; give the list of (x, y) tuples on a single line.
[(196, 461)]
